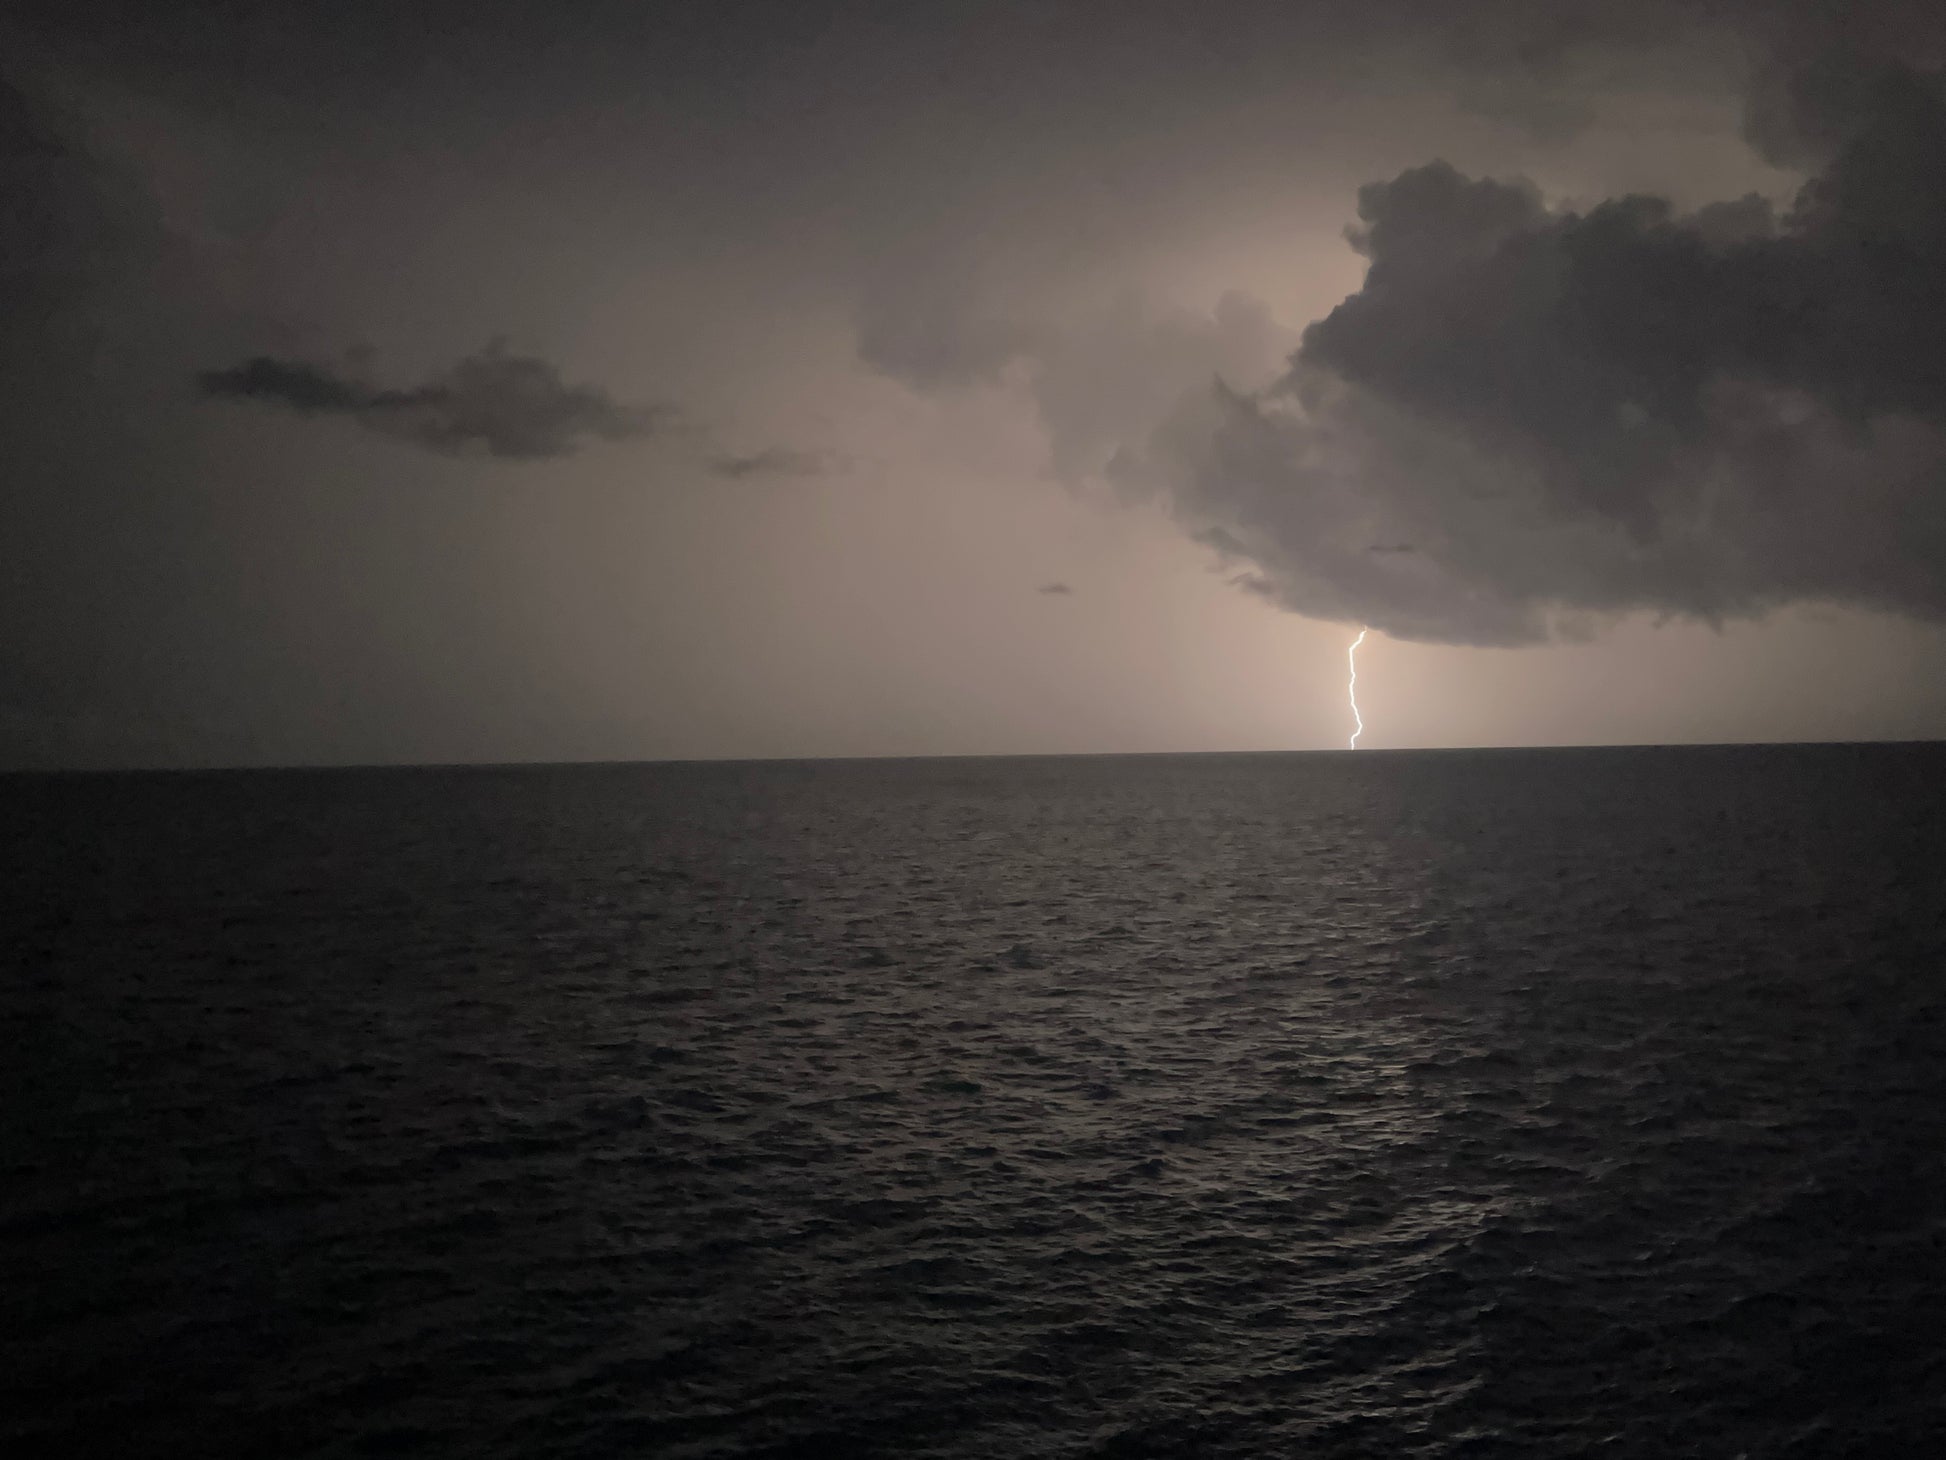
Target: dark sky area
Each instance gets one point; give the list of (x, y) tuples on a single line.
[(506, 381)]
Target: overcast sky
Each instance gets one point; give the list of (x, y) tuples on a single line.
[(507, 381)]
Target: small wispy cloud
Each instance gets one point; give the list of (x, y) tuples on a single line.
[(1060, 590), (775, 461), (515, 406)]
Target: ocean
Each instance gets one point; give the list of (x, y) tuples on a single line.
[(1390, 1104)]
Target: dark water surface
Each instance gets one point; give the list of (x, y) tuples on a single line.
[(1506, 1103)]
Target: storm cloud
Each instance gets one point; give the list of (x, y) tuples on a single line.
[(508, 405), (1572, 413)]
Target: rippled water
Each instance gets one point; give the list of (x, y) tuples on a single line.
[(1509, 1103)]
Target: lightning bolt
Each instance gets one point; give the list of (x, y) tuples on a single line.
[(1351, 690)]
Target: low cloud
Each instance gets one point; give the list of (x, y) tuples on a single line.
[(1057, 589), (507, 405)]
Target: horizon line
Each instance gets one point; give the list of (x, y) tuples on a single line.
[(731, 760)]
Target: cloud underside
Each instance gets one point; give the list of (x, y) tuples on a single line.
[(504, 405)]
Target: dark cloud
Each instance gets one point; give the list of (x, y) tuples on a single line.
[(779, 461), (1058, 590), (508, 405), (1574, 413), (303, 388)]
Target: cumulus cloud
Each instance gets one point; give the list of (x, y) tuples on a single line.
[(508, 405), (1566, 414)]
